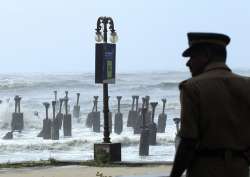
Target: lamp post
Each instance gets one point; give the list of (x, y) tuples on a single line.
[(105, 74), (113, 39)]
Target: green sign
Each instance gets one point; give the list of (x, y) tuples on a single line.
[(109, 69)]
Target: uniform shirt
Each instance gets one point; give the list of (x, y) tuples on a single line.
[(215, 108)]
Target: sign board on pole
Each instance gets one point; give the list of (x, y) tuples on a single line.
[(105, 63)]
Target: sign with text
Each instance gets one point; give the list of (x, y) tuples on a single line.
[(105, 63)]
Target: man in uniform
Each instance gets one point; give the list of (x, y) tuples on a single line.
[(215, 113)]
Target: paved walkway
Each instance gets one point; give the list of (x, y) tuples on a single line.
[(149, 175), (86, 171)]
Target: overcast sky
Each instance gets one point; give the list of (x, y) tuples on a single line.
[(58, 35)]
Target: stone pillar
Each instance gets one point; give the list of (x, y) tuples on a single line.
[(138, 120), (16, 102), (110, 121), (67, 122), (89, 120), (144, 138), (76, 110), (46, 123), (118, 118), (8, 136), (66, 96), (96, 121), (55, 94), (162, 119), (177, 137), (56, 100), (152, 126), (136, 103), (93, 118), (55, 124), (17, 117), (149, 113), (59, 116), (132, 115)]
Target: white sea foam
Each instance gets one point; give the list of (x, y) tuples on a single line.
[(38, 88)]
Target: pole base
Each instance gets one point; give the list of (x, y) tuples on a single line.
[(17, 122), (107, 152)]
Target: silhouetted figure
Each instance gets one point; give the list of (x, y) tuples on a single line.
[(215, 109)]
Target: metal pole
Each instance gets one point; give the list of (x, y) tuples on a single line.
[(105, 21), (106, 133)]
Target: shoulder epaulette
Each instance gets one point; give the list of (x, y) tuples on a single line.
[(182, 84)]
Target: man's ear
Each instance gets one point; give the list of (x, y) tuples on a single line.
[(205, 56), (208, 55)]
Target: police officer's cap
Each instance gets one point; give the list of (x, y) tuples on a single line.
[(197, 39)]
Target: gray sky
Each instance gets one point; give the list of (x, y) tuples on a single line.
[(58, 35)]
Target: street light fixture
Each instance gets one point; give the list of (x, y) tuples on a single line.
[(105, 64), (98, 37), (105, 74), (113, 37)]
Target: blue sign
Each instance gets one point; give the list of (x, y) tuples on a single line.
[(105, 63)]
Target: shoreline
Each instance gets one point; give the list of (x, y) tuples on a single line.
[(90, 163), (53, 168)]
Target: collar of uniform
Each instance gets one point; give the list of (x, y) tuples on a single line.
[(216, 65)]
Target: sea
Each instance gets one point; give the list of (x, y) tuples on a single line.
[(37, 88)]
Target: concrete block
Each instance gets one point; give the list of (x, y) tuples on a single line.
[(96, 121), (17, 122), (67, 125), (107, 152)]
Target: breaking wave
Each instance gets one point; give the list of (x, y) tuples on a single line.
[(162, 85), (68, 145), (44, 84)]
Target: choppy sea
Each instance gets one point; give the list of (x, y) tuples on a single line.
[(36, 88)]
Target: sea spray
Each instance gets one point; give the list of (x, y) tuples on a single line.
[(38, 88)]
